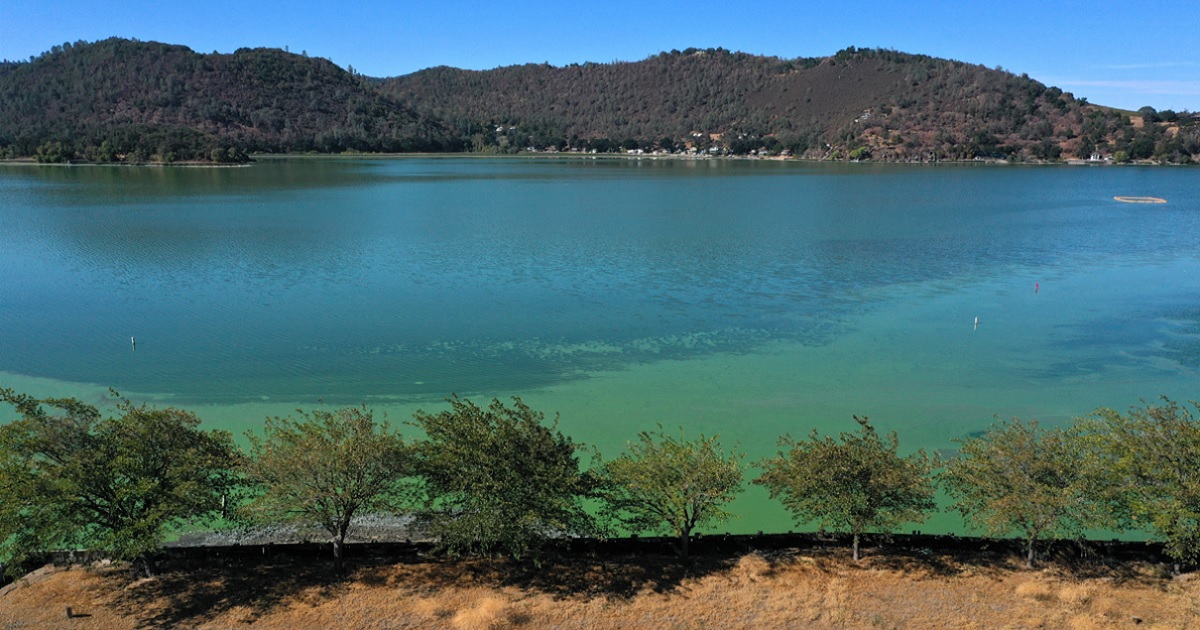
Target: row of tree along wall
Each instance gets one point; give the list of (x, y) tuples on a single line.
[(654, 549), (502, 480)]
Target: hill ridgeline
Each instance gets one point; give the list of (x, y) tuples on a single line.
[(122, 100)]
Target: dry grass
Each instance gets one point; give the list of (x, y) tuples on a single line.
[(789, 590), (1036, 590)]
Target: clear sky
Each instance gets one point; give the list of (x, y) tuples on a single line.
[(1124, 54)]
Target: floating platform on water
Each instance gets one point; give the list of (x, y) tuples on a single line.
[(1124, 199)]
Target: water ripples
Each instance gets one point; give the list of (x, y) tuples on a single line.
[(350, 280)]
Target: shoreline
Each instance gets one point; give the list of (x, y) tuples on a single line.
[(540, 155), (33, 162)]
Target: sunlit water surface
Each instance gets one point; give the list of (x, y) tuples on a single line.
[(749, 299)]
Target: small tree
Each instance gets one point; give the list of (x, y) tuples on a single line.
[(857, 483), (1019, 476), (667, 483), (498, 480), (115, 485), (325, 467), (1153, 455)]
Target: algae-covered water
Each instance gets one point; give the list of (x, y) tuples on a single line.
[(743, 298)]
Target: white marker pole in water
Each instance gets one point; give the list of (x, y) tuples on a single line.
[(976, 323), (133, 343)]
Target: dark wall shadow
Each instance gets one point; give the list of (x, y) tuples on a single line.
[(189, 593), (199, 584)]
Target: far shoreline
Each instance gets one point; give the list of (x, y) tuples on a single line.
[(544, 155), (187, 164), (540, 155)]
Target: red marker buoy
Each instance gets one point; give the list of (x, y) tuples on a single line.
[(1036, 286)]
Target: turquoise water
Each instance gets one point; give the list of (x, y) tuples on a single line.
[(743, 298)]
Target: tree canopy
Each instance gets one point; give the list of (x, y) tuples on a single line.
[(857, 483), (1021, 477), (503, 480), (500, 480), (326, 466), (667, 483), (1153, 456), (70, 478), (120, 100)]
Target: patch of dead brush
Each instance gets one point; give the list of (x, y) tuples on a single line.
[(1036, 590), (1076, 595), (484, 612), (751, 568)]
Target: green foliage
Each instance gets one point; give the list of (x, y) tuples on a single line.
[(166, 103), (499, 480), (1046, 150), (117, 484), (325, 467), (1153, 456), (669, 484), (1020, 477), (914, 107), (53, 152), (1142, 146), (861, 153), (855, 484)]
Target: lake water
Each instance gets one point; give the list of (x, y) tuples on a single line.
[(748, 299)]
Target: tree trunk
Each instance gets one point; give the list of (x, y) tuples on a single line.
[(683, 545), (337, 553), (1029, 552), (339, 541), (856, 546), (147, 565)]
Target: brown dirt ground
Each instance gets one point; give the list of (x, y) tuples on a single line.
[(784, 590)]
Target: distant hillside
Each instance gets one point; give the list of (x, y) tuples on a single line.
[(123, 99), (858, 103)]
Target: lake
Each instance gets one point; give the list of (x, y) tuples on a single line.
[(745, 298)]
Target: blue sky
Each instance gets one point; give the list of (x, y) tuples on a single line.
[(1125, 54)]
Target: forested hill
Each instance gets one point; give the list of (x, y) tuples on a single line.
[(120, 99), (126, 100), (858, 103)]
